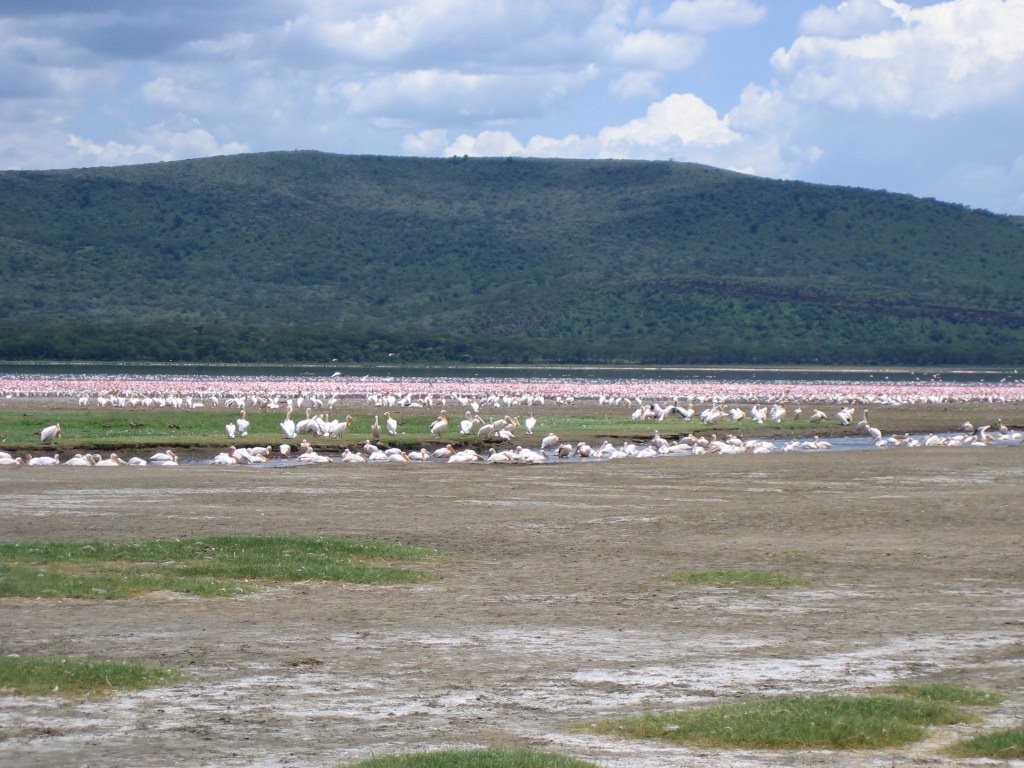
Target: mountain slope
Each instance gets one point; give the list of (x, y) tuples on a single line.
[(304, 255)]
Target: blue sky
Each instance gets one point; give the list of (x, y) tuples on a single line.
[(921, 97)]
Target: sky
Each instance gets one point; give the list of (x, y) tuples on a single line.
[(923, 97)]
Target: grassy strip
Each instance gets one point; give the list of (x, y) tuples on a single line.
[(735, 578), (151, 427), (33, 676), (25, 581), (793, 722), (209, 566), (475, 758), (1002, 745), (951, 694)]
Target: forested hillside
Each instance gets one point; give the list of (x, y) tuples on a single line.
[(310, 256)]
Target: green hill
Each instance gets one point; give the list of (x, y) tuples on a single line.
[(310, 256)]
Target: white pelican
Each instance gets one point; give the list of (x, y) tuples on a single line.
[(530, 423), (440, 424), (288, 426), (78, 460), (242, 423), (375, 427), (164, 458), (44, 461), (390, 423), (549, 442), (111, 461), (444, 453), (227, 457), (50, 433), (337, 428), (464, 456)]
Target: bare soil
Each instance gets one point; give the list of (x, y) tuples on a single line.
[(550, 610)]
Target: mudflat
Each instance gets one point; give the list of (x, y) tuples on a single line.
[(550, 610)]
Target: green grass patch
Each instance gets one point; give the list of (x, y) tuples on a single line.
[(737, 578), (143, 429), (1005, 744), (793, 722), (475, 758), (34, 676), (951, 694), (208, 566)]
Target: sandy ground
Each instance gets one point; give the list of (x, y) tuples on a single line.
[(549, 612)]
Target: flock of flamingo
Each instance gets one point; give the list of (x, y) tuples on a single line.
[(645, 400)]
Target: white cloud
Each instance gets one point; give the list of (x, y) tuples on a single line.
[(429, 143), (940, 60), (161, 143), (486, 144), (854, 18), (649, 49), (679, 120), (709, 15), (636, 83), (680, 126), (432, 95)]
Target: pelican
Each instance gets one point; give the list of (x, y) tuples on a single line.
[(230, 429), (530, 423), (549, 442), (78, 460), (337, 428), (111, 461), (288, 426), (352, 458), (50, 433), (390, 423), (659, 443), (163, 457), (440, 424), (227, 457), (44, 461), (242, 423), (444, 453), (375, 427)]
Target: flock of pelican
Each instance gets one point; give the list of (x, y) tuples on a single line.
[(549, 448), (769, 403)]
